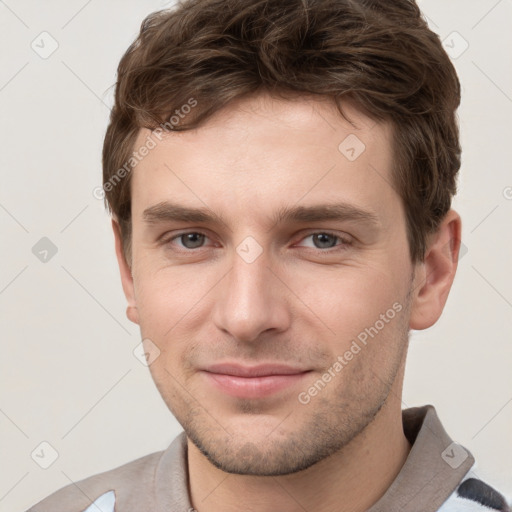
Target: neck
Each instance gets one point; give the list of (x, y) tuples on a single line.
[(352, 479)]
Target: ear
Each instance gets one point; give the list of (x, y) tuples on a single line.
[(434, 276), (126, 275)]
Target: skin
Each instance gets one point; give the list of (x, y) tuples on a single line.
[(301, 302)]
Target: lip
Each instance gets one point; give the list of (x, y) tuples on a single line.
[(253, 381)]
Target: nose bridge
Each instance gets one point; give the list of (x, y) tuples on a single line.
[(250, 300)]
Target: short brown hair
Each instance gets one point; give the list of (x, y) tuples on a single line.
[(378, 53)]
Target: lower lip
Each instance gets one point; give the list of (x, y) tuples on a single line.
[(253, 387)]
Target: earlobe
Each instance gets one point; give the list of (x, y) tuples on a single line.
[(132, 314), (126, 275), (434, 276)]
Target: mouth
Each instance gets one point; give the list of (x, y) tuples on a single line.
[(253, 381)]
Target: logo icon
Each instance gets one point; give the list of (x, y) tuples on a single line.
[(249, 249), (455, 45), (351, 147), (44, 455), (454, 455), (146, 352), (44, 45), (44, 250)]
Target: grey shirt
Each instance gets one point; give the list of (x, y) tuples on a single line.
[(435, 477)]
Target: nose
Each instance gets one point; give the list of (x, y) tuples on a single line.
[(251, 301)]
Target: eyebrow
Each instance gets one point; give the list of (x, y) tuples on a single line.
[(169, 212), (323, 212)]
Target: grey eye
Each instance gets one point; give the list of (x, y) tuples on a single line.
[(324, 240), (192, 240)]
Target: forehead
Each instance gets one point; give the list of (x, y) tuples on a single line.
[(262, 152)]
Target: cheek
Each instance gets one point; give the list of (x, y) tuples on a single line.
[(348, 300), (163, 297), (173, 307)]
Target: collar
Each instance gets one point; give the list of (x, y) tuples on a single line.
[(432, 471), (434, 468)]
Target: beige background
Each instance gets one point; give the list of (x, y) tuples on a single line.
[(69, 377)]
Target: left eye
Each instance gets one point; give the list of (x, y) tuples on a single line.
[(325, 240), (191, 240)]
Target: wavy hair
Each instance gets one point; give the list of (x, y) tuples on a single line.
[(378, 53)]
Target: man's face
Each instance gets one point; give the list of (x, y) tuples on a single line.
[(270, 284)]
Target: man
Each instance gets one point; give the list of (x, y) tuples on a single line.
[(280, 176)]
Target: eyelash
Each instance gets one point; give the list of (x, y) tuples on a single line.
[(344, 245)]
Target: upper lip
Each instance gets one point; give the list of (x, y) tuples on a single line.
[(238, 370)]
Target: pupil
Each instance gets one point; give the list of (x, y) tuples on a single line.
[(192, 240)]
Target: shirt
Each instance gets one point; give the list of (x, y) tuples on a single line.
[(436, 476)]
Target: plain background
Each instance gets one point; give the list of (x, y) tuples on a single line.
[(69, 375)]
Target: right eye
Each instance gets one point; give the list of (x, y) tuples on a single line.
[(189, 240)]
